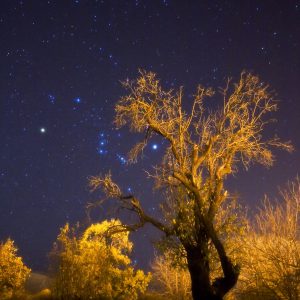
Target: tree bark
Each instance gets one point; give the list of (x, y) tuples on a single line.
[(231, 271), (198, 265), (199, 269)]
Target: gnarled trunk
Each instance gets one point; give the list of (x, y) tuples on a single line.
[(198, 265)]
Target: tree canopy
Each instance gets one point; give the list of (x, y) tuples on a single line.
[(205, 144)]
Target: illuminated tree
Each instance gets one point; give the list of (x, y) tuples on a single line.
[(170, 275), (169, 280), (271, 251), (13, 272), (204, 147), (96, 265)]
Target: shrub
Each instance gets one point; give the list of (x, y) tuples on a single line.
[(13, 272), (96, 265)]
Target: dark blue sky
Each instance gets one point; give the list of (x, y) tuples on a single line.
[(61, 62)]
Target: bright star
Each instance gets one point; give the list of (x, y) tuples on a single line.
[(154, 146), (42, 130), (77, 100)]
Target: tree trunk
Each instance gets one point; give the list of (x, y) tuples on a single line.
[(198, 265), (223, 285)]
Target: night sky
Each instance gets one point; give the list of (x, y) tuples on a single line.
[(61, 63)]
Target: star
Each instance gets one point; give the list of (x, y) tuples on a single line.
[(154, 147), (43, 130), (101, 151), (122, 159), (77, 100)]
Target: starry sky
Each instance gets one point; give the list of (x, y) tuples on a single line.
[(61, 63)]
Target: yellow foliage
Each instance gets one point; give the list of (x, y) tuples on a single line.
[(13, 272), (96, 265)]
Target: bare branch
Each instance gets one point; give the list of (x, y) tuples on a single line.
[(203, 148)]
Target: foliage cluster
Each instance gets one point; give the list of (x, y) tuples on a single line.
[(13, 272), (96, 265)]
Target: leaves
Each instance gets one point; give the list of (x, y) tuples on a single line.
[(13, 272), (96, 264)]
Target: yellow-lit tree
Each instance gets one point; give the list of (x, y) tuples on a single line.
[(204, 147), (13, 272), (169, 280), (170, 274), (271, 251), (96, 264)]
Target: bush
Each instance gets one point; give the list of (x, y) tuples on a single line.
[(170, 281), (96, 265), (271, 251), (13, 272)]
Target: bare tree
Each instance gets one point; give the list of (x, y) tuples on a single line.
[(172, 282), (271, 251), (204, 147)]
